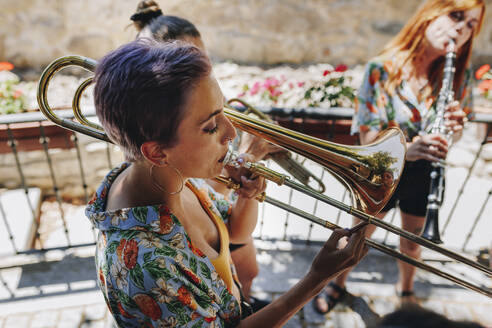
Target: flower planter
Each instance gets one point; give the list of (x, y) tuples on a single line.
[(332, 130), (28, 136)]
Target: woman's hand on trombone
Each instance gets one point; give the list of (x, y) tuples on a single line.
[(340, 252), (245, 209), (251, 184), (330, 261), (257, 147)]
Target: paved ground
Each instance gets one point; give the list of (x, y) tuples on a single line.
[(371, 287), (61, 291)]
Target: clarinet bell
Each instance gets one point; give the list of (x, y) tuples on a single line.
[(431, 227)]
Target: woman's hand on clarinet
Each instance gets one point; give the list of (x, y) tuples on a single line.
[(332, 260), (434, 147), (431, 147), (251, 184), (454, 117)]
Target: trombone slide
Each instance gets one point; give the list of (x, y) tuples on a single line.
[(371, 173)]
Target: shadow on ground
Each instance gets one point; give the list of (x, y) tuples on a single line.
[(71, 274)]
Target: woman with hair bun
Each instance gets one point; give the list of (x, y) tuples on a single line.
[(150, 22)]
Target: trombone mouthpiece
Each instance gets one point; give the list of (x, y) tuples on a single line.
[(231, 157)]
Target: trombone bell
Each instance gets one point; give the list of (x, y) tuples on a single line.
[(371, 172)]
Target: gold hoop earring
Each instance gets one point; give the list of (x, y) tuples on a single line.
[(161, 188)]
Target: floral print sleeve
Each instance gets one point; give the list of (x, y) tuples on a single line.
[(150, 273), (372, 101), (377, 109)]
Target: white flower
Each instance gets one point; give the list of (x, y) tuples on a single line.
[(161, 261), (119, 273), (164, 293), (177, 241), (179, 258), (148, 240), (156, 225), (99, 216), (118, 215)]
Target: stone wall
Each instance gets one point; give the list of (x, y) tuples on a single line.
[(34, 32)]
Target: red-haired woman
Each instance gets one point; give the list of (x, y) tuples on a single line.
[(399, 89)]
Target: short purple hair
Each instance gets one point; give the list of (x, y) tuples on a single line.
[(141, 90)]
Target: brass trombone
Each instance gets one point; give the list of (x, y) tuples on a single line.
[(371, 173), (284, 159)]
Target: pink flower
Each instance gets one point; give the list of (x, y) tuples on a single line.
[(271, 83), (255, 88), (300, 84), (275, 93), (341, 68), (17, 94)]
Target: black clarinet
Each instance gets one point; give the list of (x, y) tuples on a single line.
[(437, 175)]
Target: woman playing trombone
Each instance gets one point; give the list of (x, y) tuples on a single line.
[(162, 252)]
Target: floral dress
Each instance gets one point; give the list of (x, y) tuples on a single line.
[(377, 110), (150, 273)]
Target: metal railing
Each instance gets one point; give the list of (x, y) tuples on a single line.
[(270, 220), (28, 132)]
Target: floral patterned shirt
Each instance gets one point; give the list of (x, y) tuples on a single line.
[(150, 273), (377, 110)]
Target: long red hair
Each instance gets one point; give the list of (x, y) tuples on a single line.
[(410, 42)]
